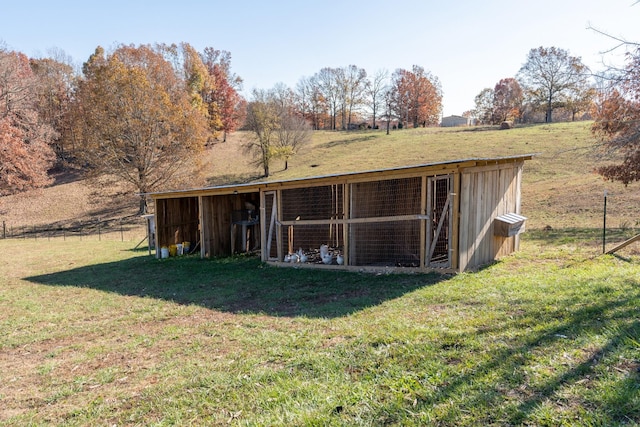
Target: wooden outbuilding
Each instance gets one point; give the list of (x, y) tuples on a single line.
[(449, 216)]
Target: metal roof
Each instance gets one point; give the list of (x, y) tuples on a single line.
[(257, 185)]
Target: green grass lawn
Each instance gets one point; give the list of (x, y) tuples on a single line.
[(94, 333)]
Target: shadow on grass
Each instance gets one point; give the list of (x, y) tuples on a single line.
[(242, 285), (508, 367), (348, 141)]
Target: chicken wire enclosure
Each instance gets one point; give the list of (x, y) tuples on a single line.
[(433, 216), (309, 217), (385, 220), (403, 222), (385, 244), (439, 212)]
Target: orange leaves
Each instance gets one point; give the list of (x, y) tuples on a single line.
[(417, 96), (25, 156), (617, 122), (137, 117), (23, 164)]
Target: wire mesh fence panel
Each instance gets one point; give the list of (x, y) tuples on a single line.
[(392, 197), (392, 222), (395, 242), (389, 244), (322, 204), (92, 230), (271, 214), (439, 229), (313, 203)]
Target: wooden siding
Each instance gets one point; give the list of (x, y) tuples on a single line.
[(177, 221), (487, 192), (216, 220)]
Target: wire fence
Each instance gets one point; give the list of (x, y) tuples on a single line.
[(122, 229)]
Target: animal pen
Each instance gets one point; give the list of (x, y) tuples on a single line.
[(449, 216)]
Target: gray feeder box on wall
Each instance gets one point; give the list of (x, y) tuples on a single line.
[(508, 225)]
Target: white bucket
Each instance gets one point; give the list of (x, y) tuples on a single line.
[(164, 252), (180, 252)]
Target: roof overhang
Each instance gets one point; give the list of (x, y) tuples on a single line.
[(253, 187)]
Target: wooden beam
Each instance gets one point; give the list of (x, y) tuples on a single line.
[(353, 220), (423, 224), (624, 244)]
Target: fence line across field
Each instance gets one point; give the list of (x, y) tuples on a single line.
[(93, 230)]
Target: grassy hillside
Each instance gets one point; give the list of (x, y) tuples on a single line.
[(560, 189)]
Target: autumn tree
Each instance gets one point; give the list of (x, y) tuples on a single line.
[(140, 122), (25, 153), (579, 99), (617, 120), (56, 83), (292, 132), (548, 74), (418, 96), (224, 95), (507, 100)]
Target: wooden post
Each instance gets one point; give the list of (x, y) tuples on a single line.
[(604, 224), (346, 243), (423, 223)]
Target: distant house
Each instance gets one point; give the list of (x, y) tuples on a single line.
[(451, 121)]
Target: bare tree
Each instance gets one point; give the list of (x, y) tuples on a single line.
[(483, 110), (292, 133), (548, 74), (279, 131), (376, 90), (355, 80), (262, 121), (328, 84)]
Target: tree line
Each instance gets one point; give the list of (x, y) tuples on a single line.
[(142, 114), (137, 114), (550, 85), (340, 98)]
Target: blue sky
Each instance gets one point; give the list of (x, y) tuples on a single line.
[(468, 44)]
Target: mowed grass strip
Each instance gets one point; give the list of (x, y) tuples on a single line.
[(95, 333)]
